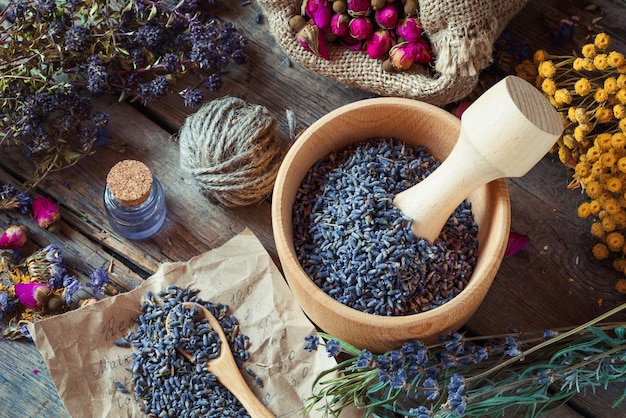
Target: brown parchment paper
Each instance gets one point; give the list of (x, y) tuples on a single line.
[(78, 346)]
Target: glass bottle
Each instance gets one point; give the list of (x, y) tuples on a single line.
[(134, 200)]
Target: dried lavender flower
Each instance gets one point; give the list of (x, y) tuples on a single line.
[(93, 48)]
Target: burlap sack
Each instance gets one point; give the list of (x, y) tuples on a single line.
[(462, 33)]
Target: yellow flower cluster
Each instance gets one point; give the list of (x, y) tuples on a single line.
[(589, 92)]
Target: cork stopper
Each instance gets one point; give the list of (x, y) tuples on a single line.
[(130, 182)]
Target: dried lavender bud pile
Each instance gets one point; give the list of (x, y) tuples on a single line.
[(359, 248), (168, 383)]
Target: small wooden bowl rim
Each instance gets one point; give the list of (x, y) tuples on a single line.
[(327, 133)]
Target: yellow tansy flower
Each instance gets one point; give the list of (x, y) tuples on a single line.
[(620, 219), (563, 96), (602, 41), (582, 169), (548, 86), (621, 164), (608, 224), (622, 124), (578, 64), (618, 140), (621, 96), (600, 251), (595, 207), (588, 64), (603, 141), (621, 81), (596, 230), (582, 87), (565, 155), (608, 159), (569, 142), (610, 85), (615, 59), (613, 184), (611, 206), (615, 241), (600, 62), (604, 114), (600, 95), (588, 51), (581, 115), (571, 113), (594, 190), (584, 210), (540, 55), (619, 111), (546, 69)]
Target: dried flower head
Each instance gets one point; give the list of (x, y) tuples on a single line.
[(589, 94), (131, 49)]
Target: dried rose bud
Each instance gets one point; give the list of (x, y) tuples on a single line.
[(360, 28), (359, 7), (378, 44), (46, 214), (33, 295), (386, 17), (348, 42), (14, 237), (423, 55), (409, 28), (378, 4), (319, 11), (339, 24), (312, 39), (402, 55)]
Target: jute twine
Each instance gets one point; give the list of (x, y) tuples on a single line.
[(231, 149), (462, 33)]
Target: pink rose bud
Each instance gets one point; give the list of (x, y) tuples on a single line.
[(46, 214), (14, 237), (359, 7), (387, 17), (339, 24), (423, 54), (312, 39), (33, 295), (378, 44), (348, 42), (360, 28), (320, 11), (402, 55), (409, 28)]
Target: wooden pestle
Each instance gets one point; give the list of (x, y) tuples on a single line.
[(504, 133)]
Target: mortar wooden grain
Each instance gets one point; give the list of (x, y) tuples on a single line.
[(415, 123)]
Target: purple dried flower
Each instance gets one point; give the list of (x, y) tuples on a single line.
[(359, 7), (149, 36), (76, 38), (213, 82), (320, 12), (378, 44), (192, 97), (71, 285), (409, 29), (312, 39), (516, 243), (360, 28), (387, 17), (312, 341), (339, 24), (332, 347)]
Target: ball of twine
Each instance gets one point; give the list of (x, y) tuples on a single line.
[(231, 149)]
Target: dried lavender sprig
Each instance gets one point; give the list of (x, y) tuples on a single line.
[(481, 376)]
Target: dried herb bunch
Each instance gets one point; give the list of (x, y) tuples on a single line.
[(524, 373), (589, 91), (57, 55)]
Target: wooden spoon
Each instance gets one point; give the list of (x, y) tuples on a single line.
[(503, 134), (225, 368)]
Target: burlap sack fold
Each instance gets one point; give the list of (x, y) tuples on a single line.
[(462, 33)]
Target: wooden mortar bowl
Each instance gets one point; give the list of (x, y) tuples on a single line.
[(415, 123)]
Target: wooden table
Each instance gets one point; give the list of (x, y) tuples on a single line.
[(552, 282)]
